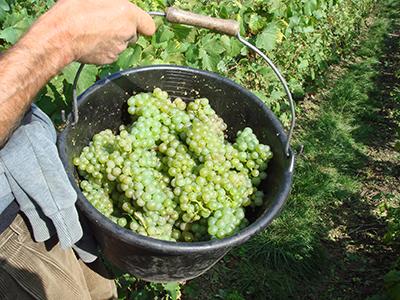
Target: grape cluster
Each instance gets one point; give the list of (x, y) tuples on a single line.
[(172, 174)]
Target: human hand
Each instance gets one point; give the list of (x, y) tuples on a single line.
[(89, 31), (96, 31)]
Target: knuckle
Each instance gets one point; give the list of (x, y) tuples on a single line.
[(121, 48), (111, 57)]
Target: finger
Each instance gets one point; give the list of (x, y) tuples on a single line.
[(132, 40), (144, 22), (121, 48)]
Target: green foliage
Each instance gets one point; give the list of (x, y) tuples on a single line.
[(391, 208), (396, 95), (131, 288), (300, 36), (173, 289), (303, 37), (392, 284), (393, 216), (288, 260)]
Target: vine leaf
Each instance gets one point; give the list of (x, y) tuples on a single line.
[(12, 33), (4, 5), (209, 61), (268, 37), (129, 57), (87, 78), (9, 34), (173, 289)]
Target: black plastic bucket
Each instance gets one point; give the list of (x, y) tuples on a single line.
[(104, 105)]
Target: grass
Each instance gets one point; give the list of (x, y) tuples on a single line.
[(316, 248)]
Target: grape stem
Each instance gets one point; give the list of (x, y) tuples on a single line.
[(199, 203), (128, 215), (141, 220)]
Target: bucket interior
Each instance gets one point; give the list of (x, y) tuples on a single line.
[(104, 106)]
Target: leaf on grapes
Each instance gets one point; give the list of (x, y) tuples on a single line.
[(268, 38), (4, 5), (210, 62), (87, 78)]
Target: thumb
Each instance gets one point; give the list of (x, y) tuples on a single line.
[(144, 22)]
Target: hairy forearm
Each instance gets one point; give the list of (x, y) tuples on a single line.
[(90, 31), (26, 68)]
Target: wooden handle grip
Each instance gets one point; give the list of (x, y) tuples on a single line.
[(230, 27)]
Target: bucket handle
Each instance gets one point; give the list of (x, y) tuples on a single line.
[(226, 26)]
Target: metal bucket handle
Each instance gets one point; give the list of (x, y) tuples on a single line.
[(229, 27)]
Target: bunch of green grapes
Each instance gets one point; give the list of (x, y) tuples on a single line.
[(172, 174)]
